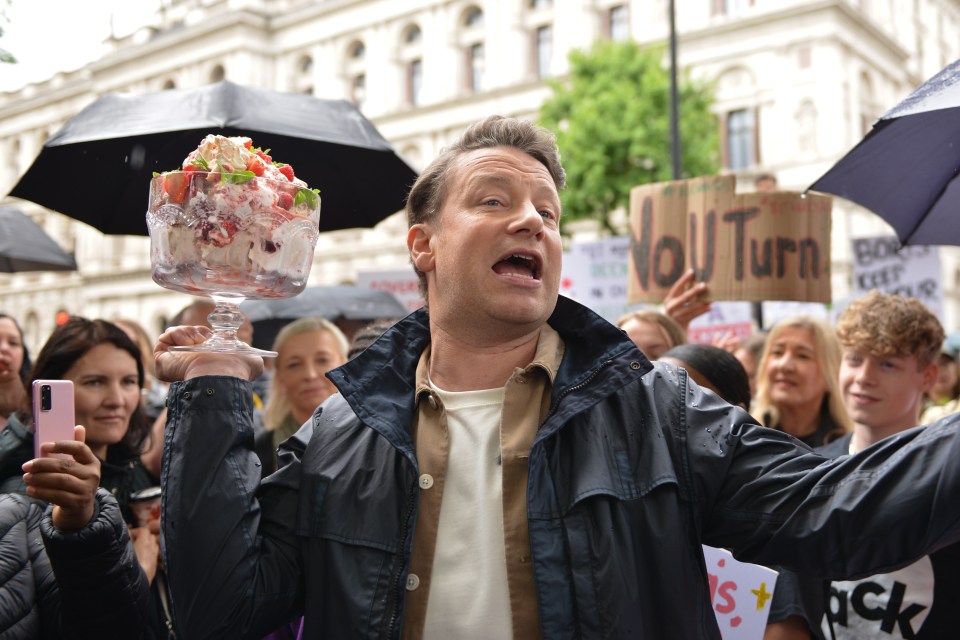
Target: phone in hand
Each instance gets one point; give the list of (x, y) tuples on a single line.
[(53, 414)]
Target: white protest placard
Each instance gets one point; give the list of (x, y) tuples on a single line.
[(776, 310), (740, 594), (724, 318), (402, 283), (595, 275), (880, 263)]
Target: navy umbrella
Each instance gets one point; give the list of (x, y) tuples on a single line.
[(25, 246), (337, 303), (104, 157), (906, 168)]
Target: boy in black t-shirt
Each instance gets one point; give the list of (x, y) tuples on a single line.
[(890, 349)]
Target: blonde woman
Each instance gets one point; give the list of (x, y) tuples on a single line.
[(306, 349), (653, 332), (797, 382)]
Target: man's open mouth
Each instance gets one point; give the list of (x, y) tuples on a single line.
[(520, 265)]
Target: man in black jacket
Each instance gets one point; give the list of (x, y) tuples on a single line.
[(508, 463)]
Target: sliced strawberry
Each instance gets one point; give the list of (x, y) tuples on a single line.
[(256, 165), (286, 170), (175, 184), (285, 201), (248, 143), (263, 156)]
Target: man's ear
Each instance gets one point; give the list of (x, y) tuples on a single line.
[(419, 245)]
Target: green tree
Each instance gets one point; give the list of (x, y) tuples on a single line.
[(611, 117), (5, 56)]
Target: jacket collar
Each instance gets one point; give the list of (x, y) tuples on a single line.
[(379, 384)]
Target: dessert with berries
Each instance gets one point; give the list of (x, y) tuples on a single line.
[(232, 220)]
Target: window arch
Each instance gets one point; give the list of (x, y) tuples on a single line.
[(411, 56), (355, 72), (412, 34), (473, 18), (218, 73)]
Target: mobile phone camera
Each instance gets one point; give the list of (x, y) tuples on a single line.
[(45, 397)]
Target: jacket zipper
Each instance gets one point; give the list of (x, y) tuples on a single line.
[(401, 555), (575, 387)]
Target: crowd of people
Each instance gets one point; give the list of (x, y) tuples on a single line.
[(502, 463)]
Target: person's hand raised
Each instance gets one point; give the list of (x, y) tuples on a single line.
[(183, 365), (684, 301), (70, 484)]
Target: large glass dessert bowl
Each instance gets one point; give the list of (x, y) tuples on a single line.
[(231, 238)]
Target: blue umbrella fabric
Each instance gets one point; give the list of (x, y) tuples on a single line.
[(25, 246), (105, 156), (335, 302), (906, 168)]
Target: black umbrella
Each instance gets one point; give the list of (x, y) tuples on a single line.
[(336, 303), (25, 246), (906, 168), (97, 167)]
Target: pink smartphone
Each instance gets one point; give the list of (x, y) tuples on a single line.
[(53, 416)]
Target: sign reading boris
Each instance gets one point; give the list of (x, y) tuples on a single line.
[(751, 246)]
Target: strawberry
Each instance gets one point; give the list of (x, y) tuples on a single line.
[(263, 156), (256, 165), (248, 143), (285, 201), (286, 170), (175, 184)]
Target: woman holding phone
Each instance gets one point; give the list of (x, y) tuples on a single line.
[(105, 367), (84, 544)]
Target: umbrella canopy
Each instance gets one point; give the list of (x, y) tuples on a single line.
[(906, 168), (335, 303), (97, 167), (25, 246)]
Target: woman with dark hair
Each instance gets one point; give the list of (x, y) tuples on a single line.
[(105, 367), (14, 365), (714, 368)]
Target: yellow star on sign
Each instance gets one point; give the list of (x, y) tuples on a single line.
[(762, 596)]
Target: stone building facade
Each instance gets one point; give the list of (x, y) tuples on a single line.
[(798, 82)]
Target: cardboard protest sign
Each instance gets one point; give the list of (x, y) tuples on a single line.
[(752, 246), (913, 271), (740, 594)]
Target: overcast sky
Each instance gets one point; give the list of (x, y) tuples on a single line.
[(48, 36)]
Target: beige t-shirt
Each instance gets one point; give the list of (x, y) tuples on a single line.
[(469, 597)]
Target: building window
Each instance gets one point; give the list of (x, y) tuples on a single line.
[(169, 84), (217, 73), (475, 66), (807, 127), (731, 7), (414, 81), (358, 90), (543, 50), (618, 25), (540, 4), (741, 139), (473, 19), (358, 50), (305, 64), (414, 35)]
